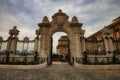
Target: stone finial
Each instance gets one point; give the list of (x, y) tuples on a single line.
[(26, 39), (45, 20), (74, 20), (59, 14), (14, 31), (82, 32), (59, 11), (38, 32)]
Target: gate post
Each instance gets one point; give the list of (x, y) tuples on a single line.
[(12, 40), (43, 31), (37, 39), (83, 45), (77, 32)]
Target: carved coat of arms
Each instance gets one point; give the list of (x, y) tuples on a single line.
[(60, 20)]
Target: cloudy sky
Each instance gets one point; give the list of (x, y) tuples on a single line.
[(26, 14)]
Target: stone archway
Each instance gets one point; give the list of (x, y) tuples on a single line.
[(60, 23), (50, 39)]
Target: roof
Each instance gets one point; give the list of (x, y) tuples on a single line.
[(116, 21), (63, 38)]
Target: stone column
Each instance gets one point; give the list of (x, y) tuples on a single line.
[(43, 32), (9, 44), (43, 44), (12, 40), (111, 45), (37, 40), (76, 26), (107, 42), (72, 49), (36, 44), (77, 45), (49, 49), (13, 45), (83, 45), (106, 45)]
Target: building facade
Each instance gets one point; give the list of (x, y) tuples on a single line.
[(101, 47), (62, 47), (113, 30), (98, 45), (42, 44)]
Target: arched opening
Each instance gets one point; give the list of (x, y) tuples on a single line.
[(60, 23), (60, 47)]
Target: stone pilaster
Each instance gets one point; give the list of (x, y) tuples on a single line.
[(83, 45), (43, 31), (76, 26), (106, 45), (111, 45), (36, 44)]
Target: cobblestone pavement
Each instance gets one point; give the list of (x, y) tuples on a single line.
[(58, 72)]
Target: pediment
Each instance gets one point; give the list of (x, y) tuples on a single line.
[(59, 18)]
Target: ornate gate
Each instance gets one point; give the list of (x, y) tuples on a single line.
[(60, 23)]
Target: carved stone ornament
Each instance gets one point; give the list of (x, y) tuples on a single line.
[(74, 20), (45, 20), (82, 32), (60, 18), (38, 32), (14, 31), (26, 39)]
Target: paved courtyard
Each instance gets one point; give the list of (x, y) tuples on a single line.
[(59, 72)]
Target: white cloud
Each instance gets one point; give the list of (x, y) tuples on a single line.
[(30, 33), (4, 35), (94, 14)]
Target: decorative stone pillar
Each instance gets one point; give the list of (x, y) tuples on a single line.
[(83, 45), (76, 26), (37, 41), (44, 29), (12, 40), (49, 49), (72, 49), (26, 40)]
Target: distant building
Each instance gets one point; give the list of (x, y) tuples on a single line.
[(101, 46), (62, 47), (113, 28)]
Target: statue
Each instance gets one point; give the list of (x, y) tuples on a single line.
[(74, 20), (45, 20)]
